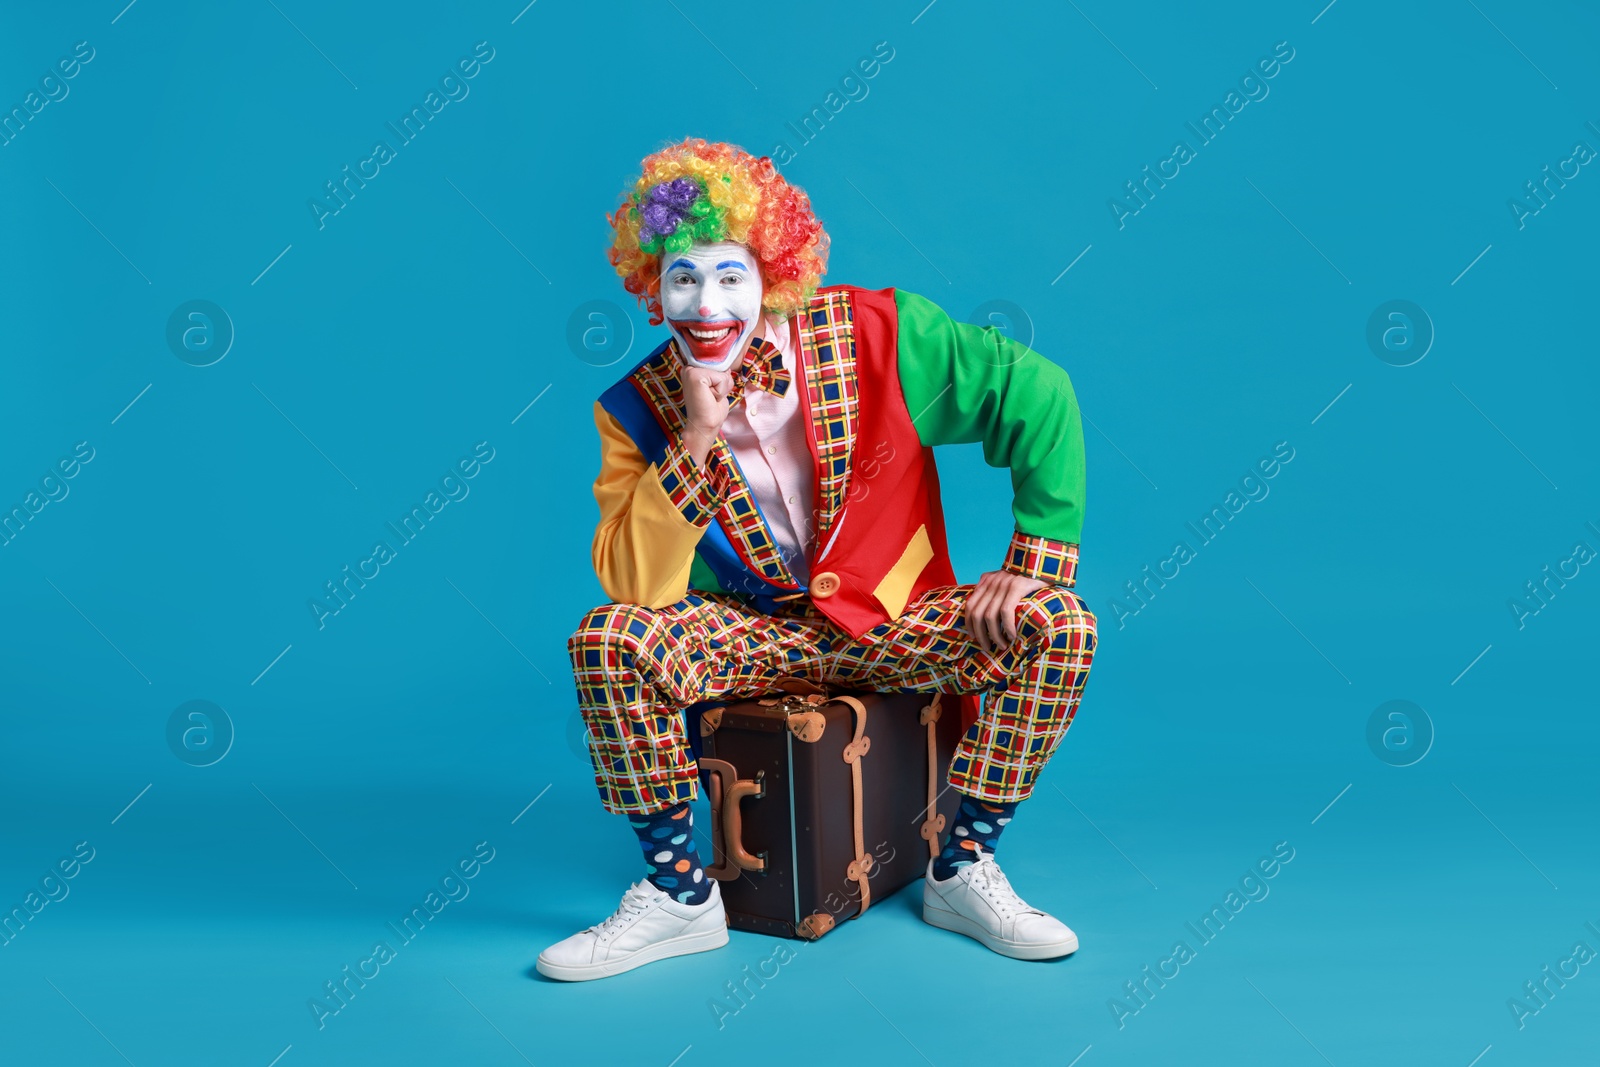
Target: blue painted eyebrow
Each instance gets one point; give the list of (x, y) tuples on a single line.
[(681, 263), (734, 263)]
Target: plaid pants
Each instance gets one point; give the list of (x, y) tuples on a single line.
[(637, 668)]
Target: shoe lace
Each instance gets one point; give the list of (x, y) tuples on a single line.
[(635, 902), (992, 882)]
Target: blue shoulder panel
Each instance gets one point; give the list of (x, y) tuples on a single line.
[(624, 403)]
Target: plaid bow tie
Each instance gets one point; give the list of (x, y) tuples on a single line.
[(763, 369)]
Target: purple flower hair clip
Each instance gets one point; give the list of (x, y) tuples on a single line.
[(665, 206), (664, 211)]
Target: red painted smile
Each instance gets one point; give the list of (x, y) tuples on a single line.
[(709, 342)]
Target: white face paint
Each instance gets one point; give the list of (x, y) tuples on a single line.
[(711, 297)]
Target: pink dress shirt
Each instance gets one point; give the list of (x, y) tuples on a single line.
[(767, 435)]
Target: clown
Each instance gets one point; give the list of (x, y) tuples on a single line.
[(769, 507)]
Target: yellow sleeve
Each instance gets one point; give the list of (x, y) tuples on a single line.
[(651, 518)]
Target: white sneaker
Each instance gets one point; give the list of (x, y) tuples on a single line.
[(978, 901), (648, 926)]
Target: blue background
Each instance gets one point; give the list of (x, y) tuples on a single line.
[(426, 316)]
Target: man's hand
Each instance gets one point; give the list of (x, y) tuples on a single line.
[(705, 408), (991, 610)]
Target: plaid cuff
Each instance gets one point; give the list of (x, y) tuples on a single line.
[(1040, 557), (697, 492)]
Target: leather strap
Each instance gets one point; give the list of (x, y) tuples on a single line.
[(860, 868), (795, 685), (933, 823)]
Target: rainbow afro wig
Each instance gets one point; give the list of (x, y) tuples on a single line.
[(698, 191)]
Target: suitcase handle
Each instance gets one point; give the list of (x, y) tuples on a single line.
[(727, 821)]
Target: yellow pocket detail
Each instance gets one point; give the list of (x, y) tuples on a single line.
[(895, 588)]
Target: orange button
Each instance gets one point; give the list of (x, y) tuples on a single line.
[(825, 584)]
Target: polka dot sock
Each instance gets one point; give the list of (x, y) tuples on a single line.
[(667, 838), (978, 824)]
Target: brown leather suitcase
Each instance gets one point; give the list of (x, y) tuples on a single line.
[(822, 804)]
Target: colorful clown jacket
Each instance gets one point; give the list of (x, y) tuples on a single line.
[(887, 375)]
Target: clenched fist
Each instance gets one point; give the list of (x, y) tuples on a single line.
[(705, 408)]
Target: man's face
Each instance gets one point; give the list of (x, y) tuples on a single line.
[(711, 297)]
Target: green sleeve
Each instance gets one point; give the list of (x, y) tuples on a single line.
[(967, 383)]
